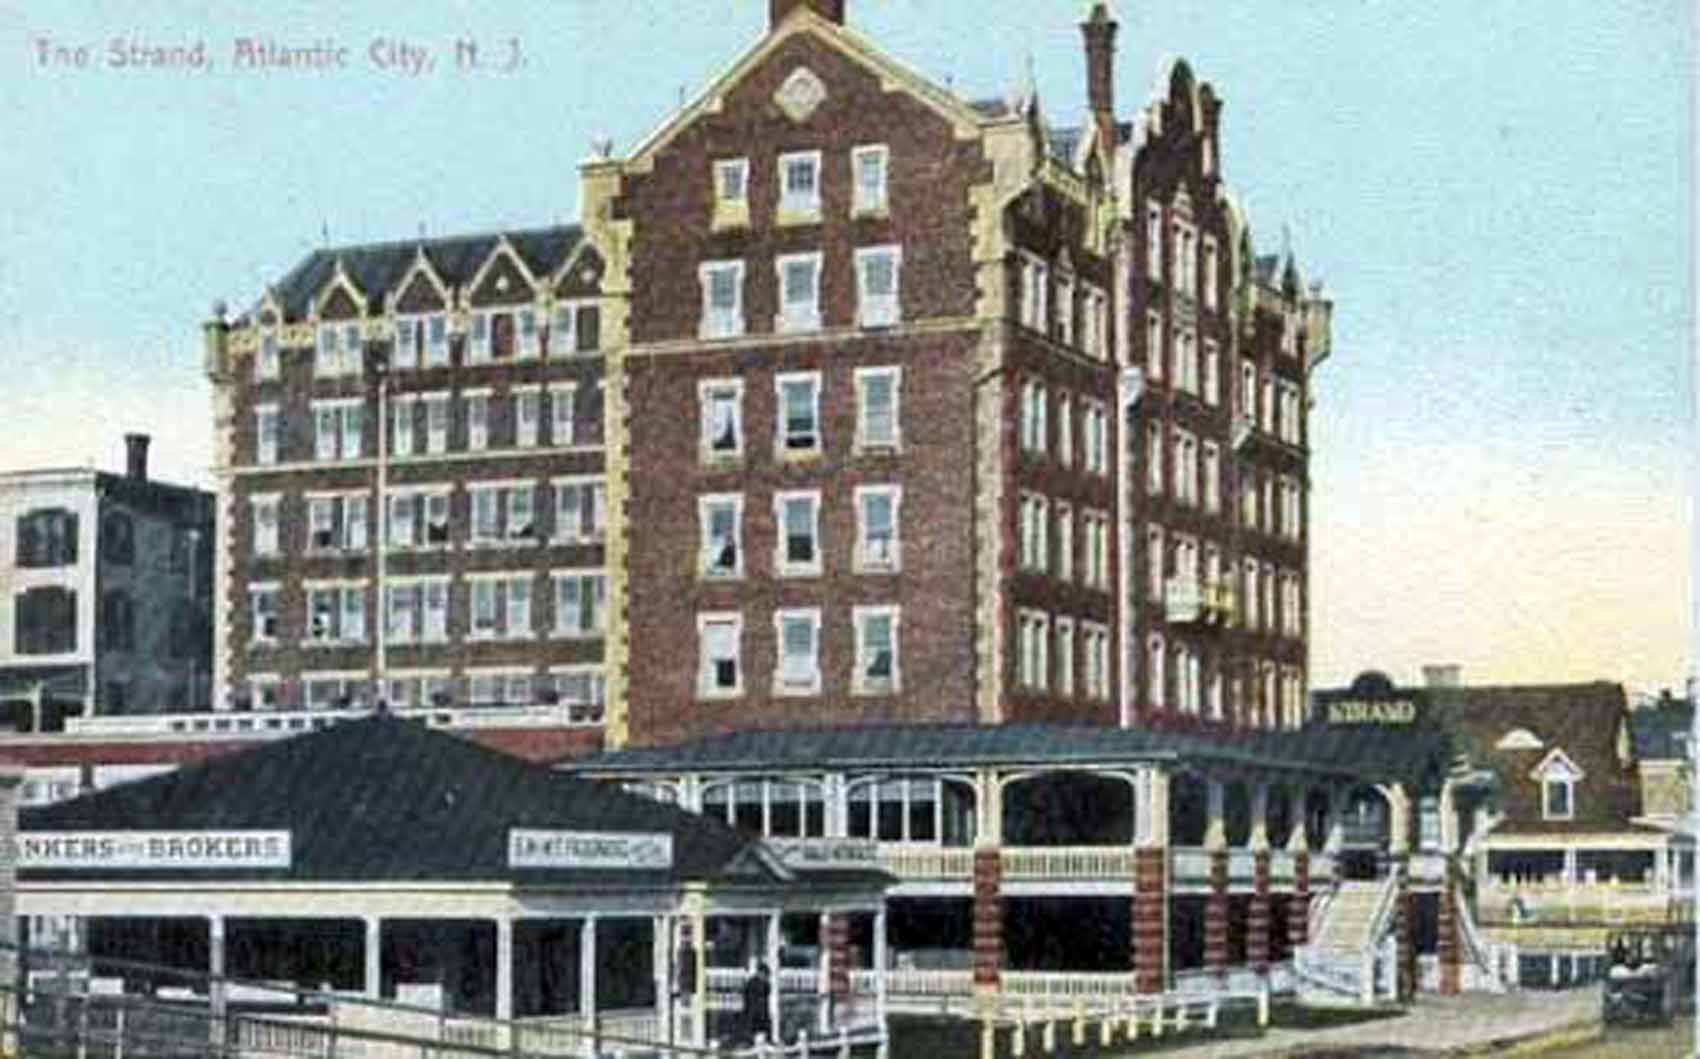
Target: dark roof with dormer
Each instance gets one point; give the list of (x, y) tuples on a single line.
[(376, 268), (383, 800)]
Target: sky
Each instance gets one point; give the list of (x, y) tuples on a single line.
[(1496, 193)]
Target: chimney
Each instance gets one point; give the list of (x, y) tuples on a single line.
[(1447, 676), (136, 456), (1099, 31), (780, 10)]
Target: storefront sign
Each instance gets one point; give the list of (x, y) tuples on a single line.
[(588, 849), (118, 850), (826, 852), (1372, 711)]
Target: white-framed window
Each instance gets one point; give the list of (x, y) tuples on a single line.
[(576, 329), (720, 669), (1248, 497), (1033, 408), (797, 424), (1097, 525), (336, 613), (796, 515), (339, 349), (436, 422), (721, 405), (1558, 777), (528, 333), (1154, 346), (581, 603), (1094, 323), (1248, 389), (404, 525), (1156, 667), (499, 687), (580, 509), (1154, 240), (401, 426), (1249, 593), (404, 356), (1186, 362), (1156, 562), (436, 619), (799, 184), (869, 162), (263, 692), (1218, 705), (1035, 293), (480, 343), (266, 364), (336, 522), (1212, 477), (1154, 458), (720, 520), (477, 404), (799, 292), (1031, 543), (1266, 406), (334, 691), (878, 660), (1065, 432), (337, 429), (405, 611), (1188, 679), (1065, 542), (436, 340), (878, 269), (1096, 646), (1210, 272), (722, 299), (1096, 443), (528, 410), (265, 433), (1033, 644), (1212, 381), (1268, 513), (503, 512), (1062, 328), (264, 602), (1186, 467), (563, 426), (265, 509), (582, 689), (878, 401), (796, 670), (731, 185), (437, 517), (1065, 656), (1184, 259), (879, 511)]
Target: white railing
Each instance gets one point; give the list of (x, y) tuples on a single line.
[(286, 1034), (1189, 865), (911, 861), (1067, 985), (1281, 867), (264, 724), (1428, 868), (1069, 862), (930, 982), (1242, 867), (1578, 903), (1321, 868)]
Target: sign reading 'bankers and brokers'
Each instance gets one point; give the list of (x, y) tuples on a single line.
[(588, 849), (1371, 711), (95, 850)]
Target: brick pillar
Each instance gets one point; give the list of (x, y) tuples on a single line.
[(1450, 944), (1298, 909), (1216, 914), (988, 919), (1257, 916), (1150, 918), (835, 931), (1405, 910)]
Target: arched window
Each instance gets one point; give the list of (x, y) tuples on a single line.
[(47, 537)]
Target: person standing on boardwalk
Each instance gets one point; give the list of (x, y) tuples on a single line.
[(757, 989)]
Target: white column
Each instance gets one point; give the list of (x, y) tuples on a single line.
[(699, 955), (215, 968), (881, 970), (374, 957), (773, 1005), (1215, 827), (587, 974), (504, 967), (1258, 838), (661, 958), (1336, 820)]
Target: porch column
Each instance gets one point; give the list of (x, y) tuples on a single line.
[(215, 969), (1150, 881), (661, 940), (1405, 901), (1257, 915), (834, 985), (504, 967), (835, 806), (587, 975), (1216, 903), (882, 962), (1449, 944), (694, 903), (1298, 909), (374, 957), (774, 1007), (988, 881)]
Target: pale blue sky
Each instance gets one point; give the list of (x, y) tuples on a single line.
[(1497, 194)]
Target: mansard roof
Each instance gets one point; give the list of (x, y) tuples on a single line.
[(376, 269)]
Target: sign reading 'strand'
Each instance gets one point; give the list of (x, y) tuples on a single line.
[(1371, 711), (589, 849), (119, 850)]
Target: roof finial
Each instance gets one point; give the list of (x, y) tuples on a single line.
[(324, 232)]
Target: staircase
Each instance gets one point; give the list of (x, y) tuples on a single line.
[(1349, 960)]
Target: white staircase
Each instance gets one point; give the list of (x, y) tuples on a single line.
[(1351, 957)]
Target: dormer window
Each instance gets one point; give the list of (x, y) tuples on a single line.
[(1558, 776)]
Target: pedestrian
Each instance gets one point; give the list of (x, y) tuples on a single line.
[(756, 993)]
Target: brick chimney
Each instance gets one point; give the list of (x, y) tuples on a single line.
[(136, 456), (1099, 31), (780, 10), (1443, 676)]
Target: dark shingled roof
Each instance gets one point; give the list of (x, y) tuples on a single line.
[(1355, 753), (1583, 720), (383, 799), (377, 267), (1660, 732)]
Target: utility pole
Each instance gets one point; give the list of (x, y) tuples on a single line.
[(378, 362)]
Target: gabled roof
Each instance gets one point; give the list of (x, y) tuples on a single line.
[(391, 801), (378, 268)]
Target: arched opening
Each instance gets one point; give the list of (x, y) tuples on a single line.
[(1278, 816), (1364, 832), (931, 809), (1236, 814), (1316, 818), (1189, 810), (1068, 809)]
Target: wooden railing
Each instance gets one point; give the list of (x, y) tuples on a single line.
[(920, 862), (1079, 863)]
